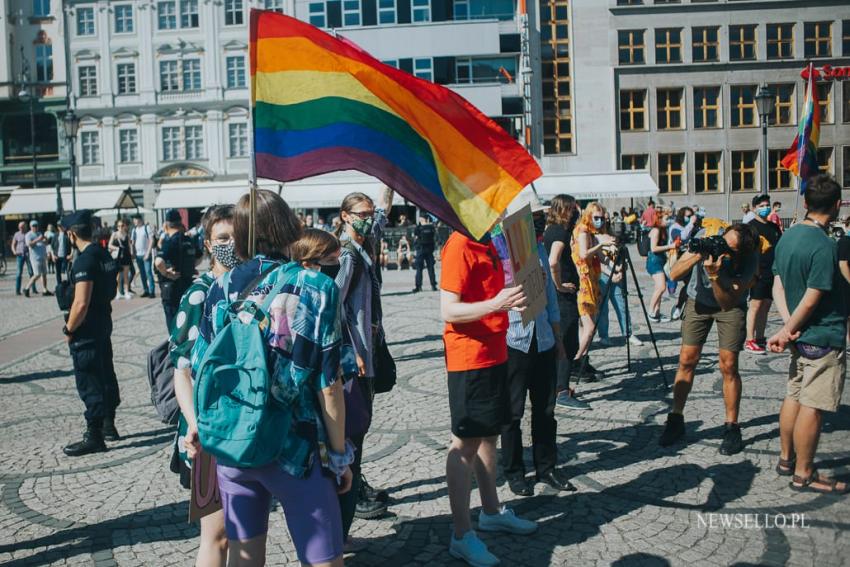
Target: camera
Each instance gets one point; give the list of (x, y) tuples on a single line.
[(712, 246)]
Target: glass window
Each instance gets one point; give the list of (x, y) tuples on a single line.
[(126, 73), (825, 102), (670, 109), (234, 13), (85, 21), (88, 80), (845, 103), (317, 16), (780, 41), (484, 9), (780, 178), (845, 155), (634, 161), (845, 38), (668, 45), (235, 72), (124, 18), (386, 11), (90, 143), (191, 74), (166, 15), (274, 5), (744, 167), (168, 77), (818, 39), (424, 68), (171, 143), (825, 160), (629, 2), (421, 10), (128, 145), (630, 46), (351, 15), (238, 140), (707, 171), (633, 110), (706, 46), (784, 106), (743, 105), (43, 62), (706, 107), (40, 8), (671, 173), (742, 43), (194, 142), (485, 69), (189, 14)]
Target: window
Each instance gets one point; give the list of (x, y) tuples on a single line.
[(234, 14), (671, 173), (706, 107), (189, 14), (43, 62), (557, 80), (126, 73), (124, 18), (317, 16), (128, 145), (825, 102), (274, 5), (742, 43), (191, 74), (90, 143), (706, 46), (632, 110), (85, 21), (351, 13), (779, 177), (88, 80), (424, 68), (818, 39), (743, 106), (485, 69), (845, 103), (41, 8), (386, 11), (707, 169), (235, 72), (669, 109), (845, 39), (421, 10), (629, 2), (784, 106), (238, 140), (504, 10), (166, 15), (780, 41), (634, 161), (825, 160), (168, 77), (668, 45), (194, 142), (171, 143), (630, 45), (845, 154), (744, 170)]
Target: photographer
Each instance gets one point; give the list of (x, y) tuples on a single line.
[(722, 269)]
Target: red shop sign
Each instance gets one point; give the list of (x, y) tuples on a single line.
[(827, 73)]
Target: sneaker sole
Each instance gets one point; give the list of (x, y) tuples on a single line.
[(370, 515), (505, 531), (573, 408), (462, 557)]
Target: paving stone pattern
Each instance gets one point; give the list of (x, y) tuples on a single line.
[(637, 504)]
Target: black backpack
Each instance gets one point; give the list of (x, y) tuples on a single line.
[(161, 381), (643, 243)]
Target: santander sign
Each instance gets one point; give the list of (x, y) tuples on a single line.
[(828, 73)]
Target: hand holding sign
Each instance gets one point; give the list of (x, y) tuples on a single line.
[(510, 298)]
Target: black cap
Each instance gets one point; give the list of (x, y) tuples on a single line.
[(81, 217), (173, 215)]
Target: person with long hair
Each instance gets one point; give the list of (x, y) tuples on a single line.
[(119, 247), (684, 227), (655, 261), (303, 334)]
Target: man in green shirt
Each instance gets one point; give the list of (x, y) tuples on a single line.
[(808, 292)]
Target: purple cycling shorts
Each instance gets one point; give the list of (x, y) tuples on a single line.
[(310, 505)]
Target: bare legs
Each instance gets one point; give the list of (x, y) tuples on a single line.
[(688, 359), (468, 456), (585, 335), (757, 318), (212, 551), (660, 281), (799, 434)]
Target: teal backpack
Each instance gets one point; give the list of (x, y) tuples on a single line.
[(238, 421)]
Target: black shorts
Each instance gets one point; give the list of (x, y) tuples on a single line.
[(479, 401), (763, 289)]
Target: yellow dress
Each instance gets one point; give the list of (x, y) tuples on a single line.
[(589, 271)]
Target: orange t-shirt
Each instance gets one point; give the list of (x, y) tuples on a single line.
[(474, 272)]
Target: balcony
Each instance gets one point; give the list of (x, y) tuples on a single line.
[(169, 97), (434, 39)]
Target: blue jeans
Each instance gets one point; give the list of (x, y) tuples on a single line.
[(146, 272), (618, 300), (21, 262)]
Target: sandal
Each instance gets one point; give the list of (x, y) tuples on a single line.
[(786, 467), (805, 484)]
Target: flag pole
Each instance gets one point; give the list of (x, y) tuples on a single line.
[(252, 191)]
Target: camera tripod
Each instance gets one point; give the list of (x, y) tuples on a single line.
[(622, 259)]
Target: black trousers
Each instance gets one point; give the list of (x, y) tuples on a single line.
[(568, 306), (535, 374), (171, 292), (348, 501), (94, 372), (423, 260)]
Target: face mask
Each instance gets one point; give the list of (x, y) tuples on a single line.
[(598, 223), (669, 221), (763, 212), (363, 227), (539, 225), (687, 219), (225, 254)]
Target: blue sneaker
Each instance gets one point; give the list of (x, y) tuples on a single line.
[(566, 401), (505, 521), (472, 550)]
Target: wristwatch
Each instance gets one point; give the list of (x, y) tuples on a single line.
[(66, 331)]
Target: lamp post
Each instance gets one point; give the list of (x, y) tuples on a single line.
[(765, 99), (72, 124), (26, 94)]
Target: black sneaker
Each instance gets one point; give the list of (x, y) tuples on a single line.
[(674, 430), (416, 290), (433, 288), (369, 509), (520, 486), (109, 431), (369, 493), (27, 292), (732, 442), (92, 443)]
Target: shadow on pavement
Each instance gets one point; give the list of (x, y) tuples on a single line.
[(35, 376)]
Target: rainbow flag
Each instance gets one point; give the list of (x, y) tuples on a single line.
[(802, 157), (322, 104)]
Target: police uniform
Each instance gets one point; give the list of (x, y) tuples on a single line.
[(179, 253)]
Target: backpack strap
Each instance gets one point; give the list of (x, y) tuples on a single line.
[(267, 303)]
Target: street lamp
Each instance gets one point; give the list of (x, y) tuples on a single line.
[(765, 99), (25, 95), (72, 124)]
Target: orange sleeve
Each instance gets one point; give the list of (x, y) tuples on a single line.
[(454, 270)]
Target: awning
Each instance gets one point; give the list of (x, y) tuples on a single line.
[(611, 185), (43, 199), (129, 211)]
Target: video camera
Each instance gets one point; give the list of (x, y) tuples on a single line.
[(712, 246)]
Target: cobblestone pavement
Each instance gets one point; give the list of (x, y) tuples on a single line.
[(637, 504)]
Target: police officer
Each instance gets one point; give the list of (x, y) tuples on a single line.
[(425, 235), (88, 331), (175, 263)]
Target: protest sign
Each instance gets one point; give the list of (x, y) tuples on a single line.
[(206, 498)]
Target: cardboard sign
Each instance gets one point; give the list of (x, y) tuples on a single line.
[(206, 498), (516, 243)]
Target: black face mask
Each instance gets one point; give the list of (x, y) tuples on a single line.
[(539, 225), (330, 271)]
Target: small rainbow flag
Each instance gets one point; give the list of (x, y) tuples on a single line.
[(322, 104), (802, 157)]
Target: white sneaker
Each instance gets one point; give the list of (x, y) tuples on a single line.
[(128, 295), (505, 521), (472, 550), (634, 341), (117, 296)]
